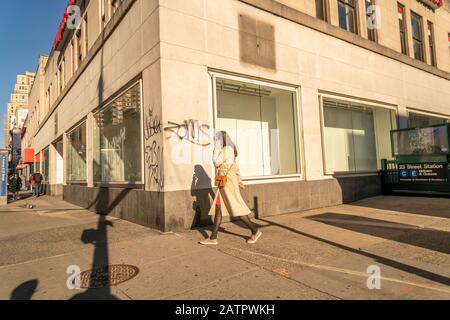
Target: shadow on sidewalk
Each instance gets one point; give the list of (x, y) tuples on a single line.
[(427, 238), (386, 261), (99, 238), (410, 204), (22, 196), (25, 291)]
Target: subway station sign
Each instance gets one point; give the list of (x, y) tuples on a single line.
[(3, 173), (423, 172)]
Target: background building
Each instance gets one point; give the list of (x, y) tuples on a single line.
[(34, 117), (16, 113), (123, 118)]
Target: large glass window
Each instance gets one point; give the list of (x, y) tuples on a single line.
[(261, 120), (417, 34), (347, 15), (356, 136), (424, 120), (118, 140), (45, 164), (76, 154), (431, 140)]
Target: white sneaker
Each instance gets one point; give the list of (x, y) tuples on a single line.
[(254, 238), (209, 242)]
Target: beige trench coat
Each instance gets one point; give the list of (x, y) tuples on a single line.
[(232, 203)]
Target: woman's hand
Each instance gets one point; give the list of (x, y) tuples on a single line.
[(241, 185)]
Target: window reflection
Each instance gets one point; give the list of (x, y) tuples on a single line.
[(117, 139)]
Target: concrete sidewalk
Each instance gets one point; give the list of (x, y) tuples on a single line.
[(319, 254)]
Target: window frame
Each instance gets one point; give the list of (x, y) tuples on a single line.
[(298, 128), (75, 182), (448, 40), (117, 95), (427, 113), (355, 8), (325, 10), (431, 43), (322, 96), (45, 159), (405, 31), (373, 32), (421, 28)]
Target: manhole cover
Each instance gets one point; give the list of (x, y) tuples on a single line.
[(108, 276)]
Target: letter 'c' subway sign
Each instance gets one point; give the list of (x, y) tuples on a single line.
[(62, 25)]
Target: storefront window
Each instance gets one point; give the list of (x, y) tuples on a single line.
[(76, 154), (261, 120), (117, 140), (45, 164), (423, 120), (356, 136), (422, 141)]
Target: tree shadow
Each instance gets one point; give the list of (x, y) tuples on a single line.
[(25, 291)]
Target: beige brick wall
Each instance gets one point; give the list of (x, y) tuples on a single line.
[(194, 40), (388, 35), (172, 43)]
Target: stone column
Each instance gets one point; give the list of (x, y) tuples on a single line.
[(312, 134)]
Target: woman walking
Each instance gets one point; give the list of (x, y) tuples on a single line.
[(228, 200)]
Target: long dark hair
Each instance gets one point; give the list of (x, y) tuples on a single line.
[(226, 141)]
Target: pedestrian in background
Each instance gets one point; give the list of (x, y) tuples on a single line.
[(38, 182), (24, 183), (16, 186), (33, 185)]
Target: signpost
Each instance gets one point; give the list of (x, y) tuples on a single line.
[(3, 177)]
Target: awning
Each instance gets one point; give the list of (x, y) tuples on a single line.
[(29, 157), (433, 4)]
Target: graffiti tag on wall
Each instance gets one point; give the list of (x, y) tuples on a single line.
[(154, 160), (193, 131), (152, 125), (153, 149)]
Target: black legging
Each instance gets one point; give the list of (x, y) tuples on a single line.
[(218, 222)]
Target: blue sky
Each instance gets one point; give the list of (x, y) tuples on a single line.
[(27, 29)]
